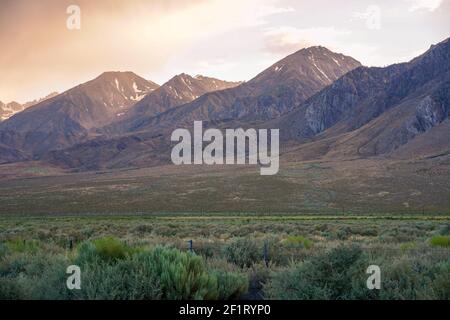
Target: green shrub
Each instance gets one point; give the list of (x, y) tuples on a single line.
[(3, 250), (298, 241), (122, 280), (243, 252), (330, 275), (10, 289), (20, 245), (107, 249), (440, 241), (160, 273), (407, 279), (111, 270), (46, 278), (445, 230), (13, 265), (86, 254), (110, 248), (341, 274), (295, 283), (33, 276), (408, 246), (182, 275), (230, 285), (279, 253), (259, 274)]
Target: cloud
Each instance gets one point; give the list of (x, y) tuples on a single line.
[(430, 5), (286, 40), (267, 11), (213, 66), (158, 38), (138, 35), (282, 41)]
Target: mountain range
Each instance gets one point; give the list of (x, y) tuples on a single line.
[(69, 117), (179, 90), (7, 110), (143, 140), (378, 111), (326, 105), (275, 91)]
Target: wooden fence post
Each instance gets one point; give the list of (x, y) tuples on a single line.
[(266, 253)]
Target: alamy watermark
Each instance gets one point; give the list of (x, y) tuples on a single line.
[(74, 280), (374, 280), (73, 21), (234, 146), (372, 17)]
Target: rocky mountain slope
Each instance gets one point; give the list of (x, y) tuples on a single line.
[(7, 110), (374, 111), (276, 90), (273, 92), (179, 90), (68, 118), (326, 106)]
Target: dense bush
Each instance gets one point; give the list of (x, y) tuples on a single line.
[(182, 275), (441, 241), (243, 252), (340, 274), (132, 278), (112, 270), (3, 250), (10, 289), (20, 245), (106, 249), (259, 274), (298, 241), (409, 279), (33, 276), (160, 273), (445, 230), (327, 276), (230, 285)]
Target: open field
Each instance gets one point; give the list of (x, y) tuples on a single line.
[(413, 254), (309, 232), (368, 231), (361, 187)]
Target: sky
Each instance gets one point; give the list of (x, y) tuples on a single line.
[(43, 50)]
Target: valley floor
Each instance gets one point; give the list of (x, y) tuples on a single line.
[(356, 187), (309, 232)]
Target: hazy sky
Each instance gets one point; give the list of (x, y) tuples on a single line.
[(228, 39)]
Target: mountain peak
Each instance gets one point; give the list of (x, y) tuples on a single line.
[(184, 75), (181, 76), (179, 90), (115, 73), (310, 68), (120, 75), (68, 117), (200, 84), (318, 51), (315, 48)]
